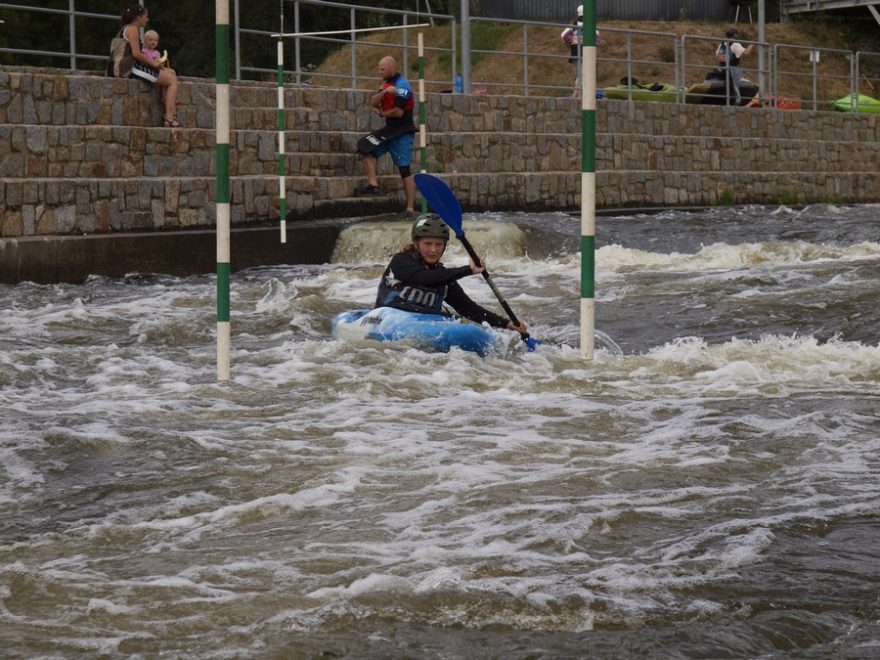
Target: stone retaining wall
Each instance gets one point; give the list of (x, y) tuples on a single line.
[(81, 154)]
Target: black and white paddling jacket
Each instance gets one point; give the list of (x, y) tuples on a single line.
[(410, 284)]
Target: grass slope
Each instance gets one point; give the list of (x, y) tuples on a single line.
[(653, 56)]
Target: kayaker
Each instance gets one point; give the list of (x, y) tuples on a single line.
[(416, 281)]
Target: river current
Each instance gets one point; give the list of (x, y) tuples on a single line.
[(708, 486)]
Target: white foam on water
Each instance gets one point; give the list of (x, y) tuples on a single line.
[(378, 241), (20, 475), (170, 518), (104, 605), (783, 361), (371, 584), (277, 297), (331, 482), (722, 256)]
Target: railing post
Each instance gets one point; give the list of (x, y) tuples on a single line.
[(771, 93), (453, 31), (238, 40), (684, 67), (405, 46), (466, 46), (854, 74), (678, 84), (727, 79), (814, 60), (353, 27), (774, 69), (296, 43), (526, 59), (761, 37), (71, 20)]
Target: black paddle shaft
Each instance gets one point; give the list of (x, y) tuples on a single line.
[(473, 255)]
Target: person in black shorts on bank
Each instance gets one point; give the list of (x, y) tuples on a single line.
[(394, 102)]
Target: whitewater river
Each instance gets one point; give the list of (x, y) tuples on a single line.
[(707, 486)]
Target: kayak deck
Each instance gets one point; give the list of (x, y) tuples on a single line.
[(432, 332)]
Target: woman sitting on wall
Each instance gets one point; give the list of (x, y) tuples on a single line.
[(128, 60)]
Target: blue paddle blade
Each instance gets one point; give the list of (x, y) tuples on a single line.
[(441, 199), (445, 204)]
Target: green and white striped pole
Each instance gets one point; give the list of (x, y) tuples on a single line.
[(282, 157), (423, 143), (588, 181), (222, 192)]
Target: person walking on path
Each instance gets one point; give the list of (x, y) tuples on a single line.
[(394, 102)]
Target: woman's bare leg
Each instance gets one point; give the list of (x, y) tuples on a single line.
[(168, 80)]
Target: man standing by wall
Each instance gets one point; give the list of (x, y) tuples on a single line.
[(394, 102)]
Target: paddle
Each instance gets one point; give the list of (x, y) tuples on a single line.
[(444, 202)]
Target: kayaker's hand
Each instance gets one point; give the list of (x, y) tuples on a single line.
[(477, 269), (522, 328)]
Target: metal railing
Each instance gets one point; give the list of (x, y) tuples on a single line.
[(859, 76), (631, 63), (526, 57), (299, 72), (72, 55), (795, 70), (814, 58)]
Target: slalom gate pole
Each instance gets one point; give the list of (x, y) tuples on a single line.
[(588, 180), (282, 122), (423, 145), (282, 156), (222, 196)]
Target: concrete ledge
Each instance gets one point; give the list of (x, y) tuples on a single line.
[(50, 259)]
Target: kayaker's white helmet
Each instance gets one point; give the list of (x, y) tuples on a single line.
[(580, 10), (430, 226)]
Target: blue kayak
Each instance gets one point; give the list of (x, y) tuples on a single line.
[(433, 332)]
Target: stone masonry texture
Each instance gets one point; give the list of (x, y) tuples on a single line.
[(82, 154)]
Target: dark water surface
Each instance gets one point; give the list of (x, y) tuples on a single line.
[(707, 486)]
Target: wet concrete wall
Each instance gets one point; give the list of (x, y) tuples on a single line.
[(50, 259), (82, 155)]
